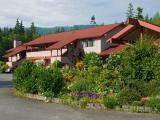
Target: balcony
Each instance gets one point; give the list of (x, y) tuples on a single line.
[(46, 53)]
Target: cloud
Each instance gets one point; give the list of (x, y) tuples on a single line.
[(69, 12)]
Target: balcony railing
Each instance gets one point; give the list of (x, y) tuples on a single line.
[(46, 53)]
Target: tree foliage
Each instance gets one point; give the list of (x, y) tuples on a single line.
[(130, 11), (92, 59), (7, 35), (139, 13)]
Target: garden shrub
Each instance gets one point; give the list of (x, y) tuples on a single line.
[(22, 74), (110, 102), (114, 61), (137, 103), (3, 67), (92, 59), (154, 103), (84, 101), (79, 85), (68, 73), (56, 64), (30, 85), (50, 82), (80, 65), (127, 96)]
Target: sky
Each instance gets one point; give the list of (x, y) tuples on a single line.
[(49, 13)]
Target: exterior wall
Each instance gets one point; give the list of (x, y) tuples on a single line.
[(16, 43), (96, 47), (45, 53), (14, 58), (53, 59), (58, 53), (104, 45), (10, 64), (64, 60), (38, 54)]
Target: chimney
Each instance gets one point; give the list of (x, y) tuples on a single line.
[(17, 43)]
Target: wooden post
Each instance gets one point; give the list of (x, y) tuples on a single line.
[(61, 51), (57, 52), (142, 33), (51, 53)]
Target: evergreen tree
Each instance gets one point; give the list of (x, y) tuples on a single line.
[(17, 27), (156, 19), (22, 31), (93, 20), (33, 28), (146, 18), (139, 14), (130, 11), (31, 32), (62, 29), (74, 27), (57, 30)]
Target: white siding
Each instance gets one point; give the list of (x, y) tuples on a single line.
[(95, 48), (38, 54), (45, 53), (53, 59)]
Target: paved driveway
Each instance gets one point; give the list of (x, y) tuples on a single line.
[(13, 108)]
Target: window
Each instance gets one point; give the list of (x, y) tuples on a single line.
[(88, 43)]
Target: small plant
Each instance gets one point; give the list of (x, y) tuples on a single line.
[(68, 73), (56, 64), (3, 67), (127, 96), (80, 85), (90, 95), (83, 102), (154, 103), (80, 65), (137, 103), (110, 102)]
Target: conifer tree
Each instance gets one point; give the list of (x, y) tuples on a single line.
[(130, 11), (139, 14), (93, 20), (17, 27)]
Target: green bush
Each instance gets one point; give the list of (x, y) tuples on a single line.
[(154, 103), (137, 103), (110, 102), (92, 59), (30, 85), (23, 74), (50, 81), (68, 73), (80, 85), (3, 67), (83, 102), (114, 61), (31, 78), (127, 96), (56, 64)]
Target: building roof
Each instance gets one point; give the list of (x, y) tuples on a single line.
[(61, 39), (133, 24), (14, 51), (84, 34), (123, 32), (113, 50), (76, 34)]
